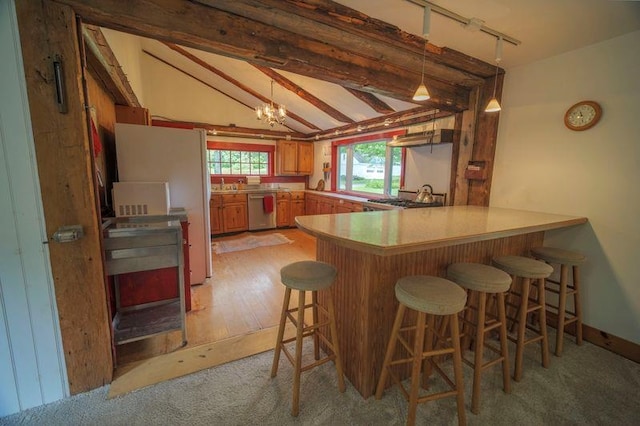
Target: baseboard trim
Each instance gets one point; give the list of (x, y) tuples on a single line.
[(600, 338)]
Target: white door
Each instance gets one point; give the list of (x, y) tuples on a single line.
[(32, 369)]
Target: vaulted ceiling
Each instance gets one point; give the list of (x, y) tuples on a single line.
[(339, 65)]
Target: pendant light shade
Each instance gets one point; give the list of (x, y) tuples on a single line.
[(422, 94), (494, 105)]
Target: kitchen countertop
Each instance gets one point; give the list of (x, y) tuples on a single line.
[(394, 232)]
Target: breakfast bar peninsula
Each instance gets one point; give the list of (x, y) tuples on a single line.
[(372, 250)]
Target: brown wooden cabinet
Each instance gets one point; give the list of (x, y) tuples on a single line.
[(215, 214), (228, 213), (311, 203), (294, 158), (234, 213), (283, 209), (297, 207), (133, 115), (346, 206)]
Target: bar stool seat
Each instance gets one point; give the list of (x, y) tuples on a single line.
[(306, 276), (431, 297), (485, 284), (531, 272), (564, 288)]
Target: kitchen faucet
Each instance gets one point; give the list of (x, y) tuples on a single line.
[(221, 183)]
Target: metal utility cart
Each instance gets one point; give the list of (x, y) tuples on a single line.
[(144, 246)]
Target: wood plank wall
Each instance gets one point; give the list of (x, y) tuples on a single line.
[(48, 32)]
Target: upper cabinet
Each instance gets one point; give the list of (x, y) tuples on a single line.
[(133, 115), (294, 158)]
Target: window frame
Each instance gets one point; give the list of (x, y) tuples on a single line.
[(246, 147), (360, 139)]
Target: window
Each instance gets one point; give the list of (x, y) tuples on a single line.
[(369, 166), (239, 159)]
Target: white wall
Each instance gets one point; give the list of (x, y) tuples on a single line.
[(32, 369), (127, 50), (541, 165)]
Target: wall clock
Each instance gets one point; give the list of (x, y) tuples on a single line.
[(583, 115)]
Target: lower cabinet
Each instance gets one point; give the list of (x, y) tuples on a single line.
[(297, 207), (215, 214), (234, 213), (283, 209), (316, 203), (228, 213)]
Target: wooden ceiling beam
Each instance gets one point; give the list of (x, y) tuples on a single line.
[(303, 94), (370, 99), (229, 130), (235, 82), (328, 21), (105, 66), (415, 115), (206, 28)]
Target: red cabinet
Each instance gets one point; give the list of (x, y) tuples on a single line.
[(138, 288)]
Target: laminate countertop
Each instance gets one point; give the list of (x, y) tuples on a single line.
[(394, 232)]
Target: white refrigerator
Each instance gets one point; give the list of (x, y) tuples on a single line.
[(176, 156)]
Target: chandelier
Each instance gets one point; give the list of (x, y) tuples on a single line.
[(269, 113)]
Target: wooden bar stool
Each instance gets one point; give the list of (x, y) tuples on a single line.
[(563, 288), (306, 276), (431, 297), (529, 271), (484, 284)]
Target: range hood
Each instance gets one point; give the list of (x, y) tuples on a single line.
[(427, 137)]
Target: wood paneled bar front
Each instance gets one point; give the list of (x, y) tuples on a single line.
[(372, 250)]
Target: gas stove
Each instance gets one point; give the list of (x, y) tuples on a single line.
[(398, 204)]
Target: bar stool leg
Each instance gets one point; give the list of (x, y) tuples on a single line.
[(334, 342), (316, 338), (522, 327), (283, 319), (391, 346), (502, 317), (562, 308), (544, 342), (415, 370), (429, 344), (298, 358), (457, 369), (479, 350), (577, 306)]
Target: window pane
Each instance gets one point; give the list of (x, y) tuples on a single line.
[(369, 160), (229, 162)]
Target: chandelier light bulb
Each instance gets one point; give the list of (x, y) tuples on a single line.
[(271, 114)]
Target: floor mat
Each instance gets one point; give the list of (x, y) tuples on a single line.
[(249, 242)]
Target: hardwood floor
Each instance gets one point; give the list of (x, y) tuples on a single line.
[(244, 295)]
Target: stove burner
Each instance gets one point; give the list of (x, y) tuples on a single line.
[(405, 204)]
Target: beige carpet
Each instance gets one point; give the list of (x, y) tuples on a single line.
[(587, 386), (249, 241)]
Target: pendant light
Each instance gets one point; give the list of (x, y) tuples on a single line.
[(494, 105), (422, 94)]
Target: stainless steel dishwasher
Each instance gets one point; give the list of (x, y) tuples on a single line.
[(262, 214)]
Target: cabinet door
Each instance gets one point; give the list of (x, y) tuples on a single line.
[(215, 214), (282, 213), (325, 206), (311, 204), (286, 158), (305, 158), (234, 217), (297, 209)]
